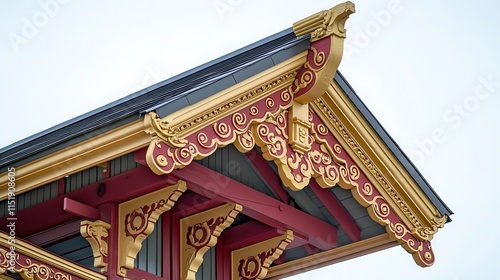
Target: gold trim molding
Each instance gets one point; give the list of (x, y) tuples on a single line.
[(332, 256), (75, 158), (137, 218), (173, 128), (40, 269), (377, 161)]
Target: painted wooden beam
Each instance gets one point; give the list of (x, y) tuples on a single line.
[(258, 205), (337, 210), (122, 187), (247, 234), (80, 209), (268, 174), (55, 233)]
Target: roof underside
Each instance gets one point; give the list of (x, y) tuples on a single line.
[(188, 88)]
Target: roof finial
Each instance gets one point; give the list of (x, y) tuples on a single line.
[(325, 23)]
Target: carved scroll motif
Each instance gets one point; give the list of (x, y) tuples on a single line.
[(199, 232), (252, 262), (137, 218), (96, 233), (30, 269)]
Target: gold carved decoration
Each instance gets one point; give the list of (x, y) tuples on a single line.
[(283, 124), (137, 218), (420, 230), (199, 232), (162, 158), (299, 124), (173, 133), (327, 46), (96, 233), (325, 23), (296, 169), (29, 269), (252, 262)]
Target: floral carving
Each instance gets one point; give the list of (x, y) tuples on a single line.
[(325, 23), (137, 218), (96, 233), (296, 169), (252, 262), (368, 196), (423, 232), (173, 135), (200, 232), (30, 269), (162, 158)]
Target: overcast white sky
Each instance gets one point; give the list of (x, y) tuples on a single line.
[(428, 70)]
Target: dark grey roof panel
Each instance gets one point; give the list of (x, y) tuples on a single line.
[(211, 89), (291, 51), (395, 149), (253, 69)]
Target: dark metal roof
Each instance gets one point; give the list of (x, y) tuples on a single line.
[(187, 88)]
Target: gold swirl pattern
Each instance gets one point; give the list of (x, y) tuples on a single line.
[(326, 161), (367, 189), (423, 232), (319, 59), (161, 160), (285, 95), (203, 140), (354, 171), (239, 120), (222, 129), (30, 269), (269, 102), (322, 130), (381, 209), (253, 110)]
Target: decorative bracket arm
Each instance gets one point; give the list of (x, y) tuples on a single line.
[(96, 233), (327, 46), (199, 232), (137, 218), (252, 262)]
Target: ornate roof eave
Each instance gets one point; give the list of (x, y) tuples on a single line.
[(273, 110), (376, 160), (289, 98)]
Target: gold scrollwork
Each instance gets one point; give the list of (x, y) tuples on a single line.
[(137, 218), (199, 232), (30, 269), (96, 233), (252, 262)]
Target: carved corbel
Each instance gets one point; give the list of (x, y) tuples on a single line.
[(199, 232), (137, 218), (327, 32), (96, 233), (252, 262)]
